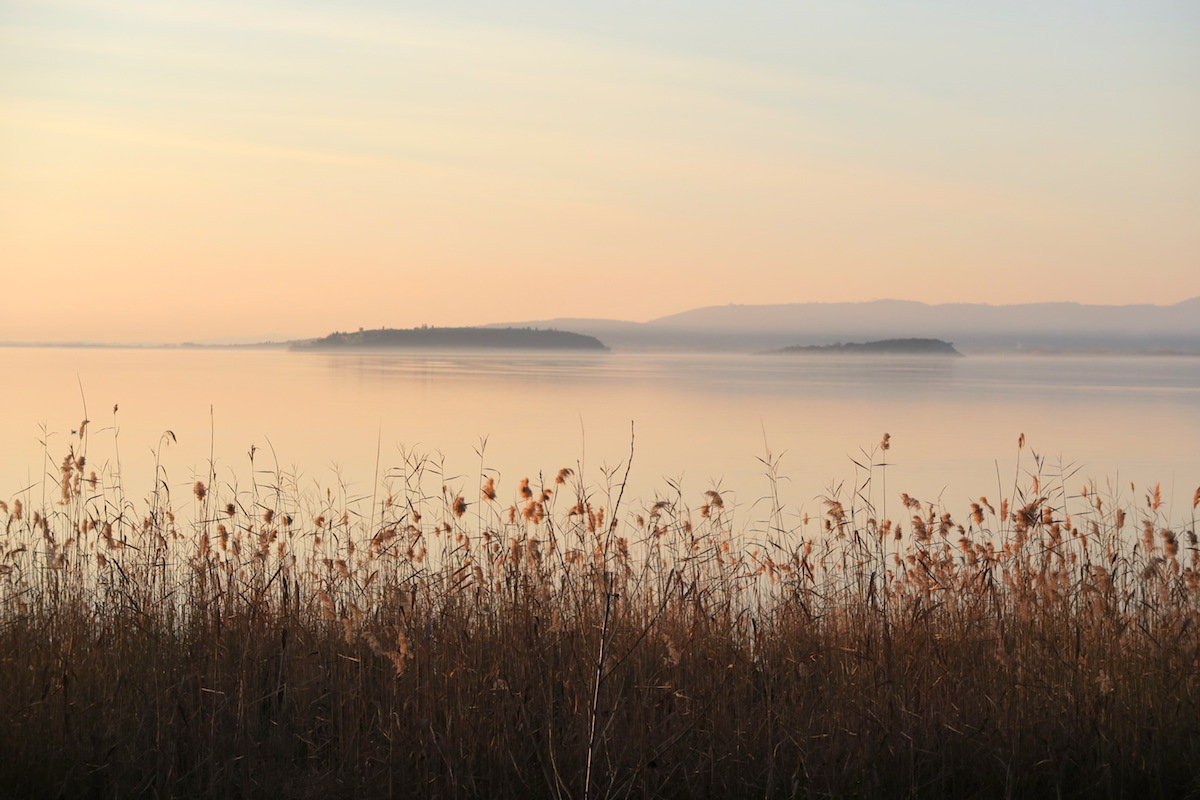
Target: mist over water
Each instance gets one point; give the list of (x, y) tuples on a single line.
[(701, 421)]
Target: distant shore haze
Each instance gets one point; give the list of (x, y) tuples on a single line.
[(972, 327)]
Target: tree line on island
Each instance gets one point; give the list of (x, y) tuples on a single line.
[(909, 347), (426, 337)]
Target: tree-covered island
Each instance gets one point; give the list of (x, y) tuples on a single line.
[(427, 338), (905, 347)]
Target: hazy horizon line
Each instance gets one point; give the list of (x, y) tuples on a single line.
[(234, 339)]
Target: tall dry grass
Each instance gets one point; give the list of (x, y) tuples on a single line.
[(548, 638)]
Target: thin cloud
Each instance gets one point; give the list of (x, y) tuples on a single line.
[(96, 129)]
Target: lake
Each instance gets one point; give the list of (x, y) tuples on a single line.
[(699, 421)]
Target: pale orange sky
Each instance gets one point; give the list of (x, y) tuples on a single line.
[(189, 170)]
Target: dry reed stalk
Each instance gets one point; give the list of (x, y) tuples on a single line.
[(578, 650)]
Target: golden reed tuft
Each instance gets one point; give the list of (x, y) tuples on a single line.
[(346, 652)]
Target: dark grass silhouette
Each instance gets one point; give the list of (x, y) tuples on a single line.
[(563, 642)]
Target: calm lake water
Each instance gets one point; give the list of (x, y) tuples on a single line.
[(702, 421)]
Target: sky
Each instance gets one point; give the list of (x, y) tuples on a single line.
[(191, 170)]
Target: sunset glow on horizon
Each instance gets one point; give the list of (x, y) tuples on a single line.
[(190, 170)]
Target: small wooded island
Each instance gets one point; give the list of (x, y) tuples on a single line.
[(904, 347), (455, 339)]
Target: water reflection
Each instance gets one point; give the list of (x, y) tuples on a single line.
[(702, 419)]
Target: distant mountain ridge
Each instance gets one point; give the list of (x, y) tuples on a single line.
[(1026, 327)]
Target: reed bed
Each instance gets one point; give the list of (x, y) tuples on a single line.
[(552, 638)]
